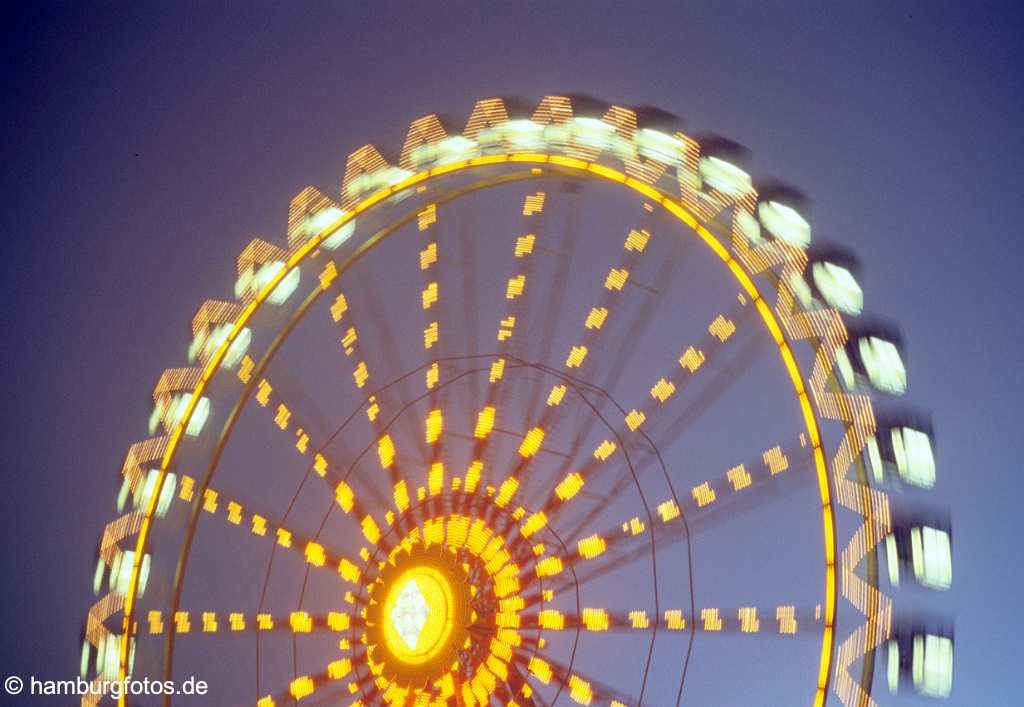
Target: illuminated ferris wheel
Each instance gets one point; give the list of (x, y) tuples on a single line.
[(558, 409)]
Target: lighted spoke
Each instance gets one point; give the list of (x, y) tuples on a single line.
[(722, 499), (199, 623), (217, 505), (781, 620), (580, 687)]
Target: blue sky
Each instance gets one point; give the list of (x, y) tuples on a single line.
[(144, 147)]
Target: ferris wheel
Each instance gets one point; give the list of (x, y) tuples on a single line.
[(558, 409)]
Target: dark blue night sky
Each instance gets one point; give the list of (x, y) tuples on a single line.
[(144, 145)]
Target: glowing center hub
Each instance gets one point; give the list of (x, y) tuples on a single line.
[(418, 614), (410, 614)]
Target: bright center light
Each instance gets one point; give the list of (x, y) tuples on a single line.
[(410, 614), (418, 615)]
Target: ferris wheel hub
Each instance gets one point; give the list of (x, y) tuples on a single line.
[(423, 618), (418, 614)]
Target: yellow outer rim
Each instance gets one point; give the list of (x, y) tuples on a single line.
[(588, 168)]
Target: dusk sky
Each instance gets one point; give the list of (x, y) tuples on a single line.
[(147, 144)]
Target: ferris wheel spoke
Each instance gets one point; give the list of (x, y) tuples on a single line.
[(531, 445), (648, 451), (617, 278), (266, 525), (295, 411), (626, 348), (434, 485), (517, 688), (389, 349), (352, 324), (387, 454), (432, 302), (304, 687), (438, 435), (515, 313), (267, 397), (360, 679), (668, 388), (694, 358), (533, 439), (709, 501), (470, 297), (743, 488), (321, 463), (206, 623), (779, 620), (540, 345), (722, 374), (582, 688), (527, 243)]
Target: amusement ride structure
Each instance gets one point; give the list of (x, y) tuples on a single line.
[(559, 408)]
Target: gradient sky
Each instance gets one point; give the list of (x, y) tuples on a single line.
[(144, 147)]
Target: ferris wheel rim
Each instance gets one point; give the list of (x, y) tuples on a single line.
[(563, 167)]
